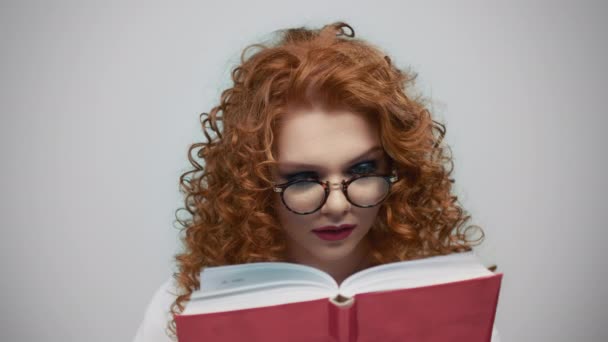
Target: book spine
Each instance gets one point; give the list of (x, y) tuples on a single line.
[(343, 321)]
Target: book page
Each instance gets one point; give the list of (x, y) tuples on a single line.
[(225, 280), (254, 298), (415, 273)]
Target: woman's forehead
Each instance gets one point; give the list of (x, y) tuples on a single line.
[(319, 137)]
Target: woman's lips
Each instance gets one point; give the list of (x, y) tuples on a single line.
[(334, 233)]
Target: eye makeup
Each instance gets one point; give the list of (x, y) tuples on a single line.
[(364, 167), (368, 166), (300, 175), (372, 161)]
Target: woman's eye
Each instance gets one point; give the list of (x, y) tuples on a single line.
[(300, 175), (364, 167)]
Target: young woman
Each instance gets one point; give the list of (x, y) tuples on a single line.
[(318, 155)]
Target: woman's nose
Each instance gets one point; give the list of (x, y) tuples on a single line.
[(336, 203)]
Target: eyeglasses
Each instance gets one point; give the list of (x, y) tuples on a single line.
[(305, 196)]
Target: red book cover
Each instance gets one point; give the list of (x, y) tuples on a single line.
[(455, 311)]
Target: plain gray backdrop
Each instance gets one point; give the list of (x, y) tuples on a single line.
[(100, 101)]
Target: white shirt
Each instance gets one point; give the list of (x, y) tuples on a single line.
[(153, 328)]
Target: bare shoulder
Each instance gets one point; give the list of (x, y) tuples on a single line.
[(153, 327)]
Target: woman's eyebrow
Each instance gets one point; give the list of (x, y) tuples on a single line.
[(367, 154)]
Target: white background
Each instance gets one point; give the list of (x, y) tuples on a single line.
[(100, 101)]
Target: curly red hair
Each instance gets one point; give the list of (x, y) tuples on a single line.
[(229, 199)]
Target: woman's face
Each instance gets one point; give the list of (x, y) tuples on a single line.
[(329, 146)]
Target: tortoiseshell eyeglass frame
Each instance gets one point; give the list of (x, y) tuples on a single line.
[(390, 179)]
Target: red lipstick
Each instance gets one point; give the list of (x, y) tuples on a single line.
[(334, 233)]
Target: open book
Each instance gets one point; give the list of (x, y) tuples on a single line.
[(442, 298)]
